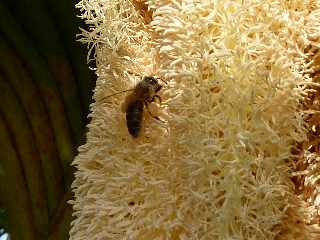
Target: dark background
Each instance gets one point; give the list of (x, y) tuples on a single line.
[(45, 92)]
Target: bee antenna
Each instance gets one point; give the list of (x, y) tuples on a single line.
[(159, 78), (117, 93)]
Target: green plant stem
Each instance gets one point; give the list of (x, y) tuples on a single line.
[(17, 122), (14, 196), (39, 71), (43, 32), (39, 121)]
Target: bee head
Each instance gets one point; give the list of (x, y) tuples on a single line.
[(152, 81)]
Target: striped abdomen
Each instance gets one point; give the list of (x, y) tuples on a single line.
[(134, 116)]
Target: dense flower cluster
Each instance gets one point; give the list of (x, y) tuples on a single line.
[(219, 166)]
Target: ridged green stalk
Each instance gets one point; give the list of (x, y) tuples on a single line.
[(14, 115), (40, 73), (49, 45), (36, 113), (15, 196)]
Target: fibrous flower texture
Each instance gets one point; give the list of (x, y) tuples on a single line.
[(219, 164)]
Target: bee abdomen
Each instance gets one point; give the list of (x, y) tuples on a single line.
[(134, 116)]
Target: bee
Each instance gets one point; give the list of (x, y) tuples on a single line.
[(144, 93)]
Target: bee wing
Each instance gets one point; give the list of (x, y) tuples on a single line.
[(124, 106)]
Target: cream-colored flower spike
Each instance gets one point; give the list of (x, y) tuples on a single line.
[(218, 166)]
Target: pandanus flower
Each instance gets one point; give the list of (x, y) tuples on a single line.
[(219, 164)]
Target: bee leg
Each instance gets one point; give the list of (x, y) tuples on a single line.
[(155, 117), (156, 97)]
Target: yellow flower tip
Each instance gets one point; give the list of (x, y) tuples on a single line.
[(141, 6)]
